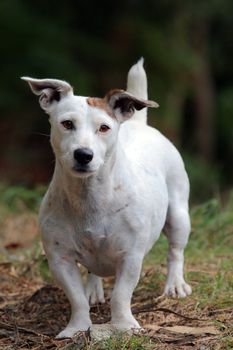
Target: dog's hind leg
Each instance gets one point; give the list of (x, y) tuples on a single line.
[(94, 289), (177, 229)]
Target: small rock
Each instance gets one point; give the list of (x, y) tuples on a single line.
[(103, 331)]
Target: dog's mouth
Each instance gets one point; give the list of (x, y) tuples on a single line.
[(82, 170)]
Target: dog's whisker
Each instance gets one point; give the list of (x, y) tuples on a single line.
[(41, 134), (64, 156)]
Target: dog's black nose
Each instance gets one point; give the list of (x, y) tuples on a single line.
[(83, 155)]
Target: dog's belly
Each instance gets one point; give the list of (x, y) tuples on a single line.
[(100, 266)]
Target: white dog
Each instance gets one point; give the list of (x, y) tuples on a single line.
[(117, 184)]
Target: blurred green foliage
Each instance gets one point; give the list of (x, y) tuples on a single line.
[(188, 52), (20, 198), (205, 179)]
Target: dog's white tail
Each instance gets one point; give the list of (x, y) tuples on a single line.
[(137, 86)]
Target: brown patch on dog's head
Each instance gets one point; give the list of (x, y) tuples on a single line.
[(103, 103), (120, 104), (96, 102), (100, 103)]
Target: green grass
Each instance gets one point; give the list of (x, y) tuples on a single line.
[(19, 198), (122, 341), (208, 254), (210, 251)]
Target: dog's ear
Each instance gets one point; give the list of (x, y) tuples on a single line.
[(123, 104), (48, 90)]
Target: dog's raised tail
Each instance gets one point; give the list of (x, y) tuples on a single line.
[(137, 86)]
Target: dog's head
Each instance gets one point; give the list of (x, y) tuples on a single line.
[(84, 129)]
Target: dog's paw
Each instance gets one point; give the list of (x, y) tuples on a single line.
[(95, 297), (94, 290), (126, 324), (71, 330), (179, 288)]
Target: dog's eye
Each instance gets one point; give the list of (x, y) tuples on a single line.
[(104, 128), (68, 124)]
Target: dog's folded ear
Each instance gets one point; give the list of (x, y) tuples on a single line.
[(123, 104), (48, 90)]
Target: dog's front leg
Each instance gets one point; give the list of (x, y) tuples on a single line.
[(127, 277), (65, 270)]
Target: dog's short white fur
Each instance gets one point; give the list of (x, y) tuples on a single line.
[(117, 184)]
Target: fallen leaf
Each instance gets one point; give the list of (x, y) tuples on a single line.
[(153, 327), (13, 245), (193, 330), (185, 329)]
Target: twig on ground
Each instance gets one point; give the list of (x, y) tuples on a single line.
[(22, 329), (149, 308)]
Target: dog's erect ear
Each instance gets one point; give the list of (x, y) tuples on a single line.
[(49, 90), (123, 104)]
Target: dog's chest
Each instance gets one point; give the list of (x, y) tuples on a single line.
[(102, 239)]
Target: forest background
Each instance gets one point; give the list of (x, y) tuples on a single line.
[(188, 51)]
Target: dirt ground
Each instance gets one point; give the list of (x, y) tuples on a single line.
[(32, 313)]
